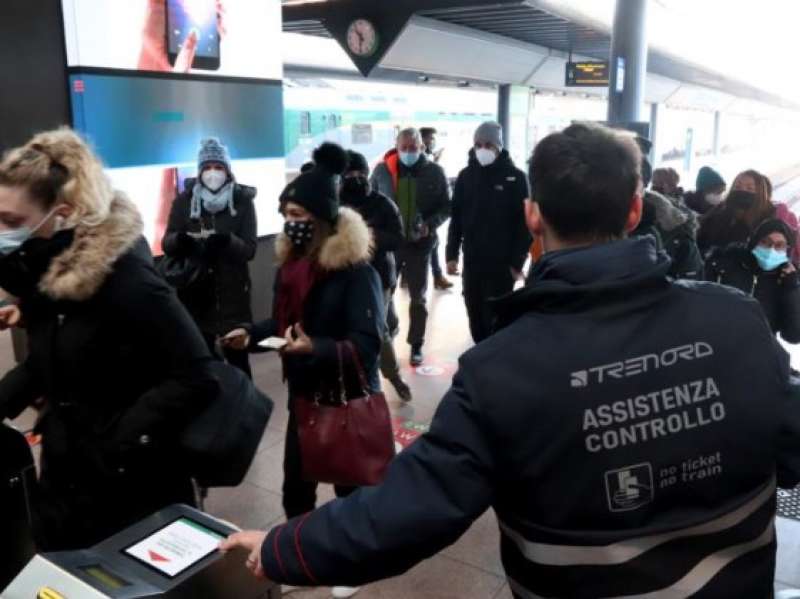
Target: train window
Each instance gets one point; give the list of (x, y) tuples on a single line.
[(305, 123)]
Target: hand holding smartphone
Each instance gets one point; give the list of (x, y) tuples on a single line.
[(194, 23), (274, 343)]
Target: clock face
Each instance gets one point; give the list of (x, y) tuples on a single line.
[(362, 39)]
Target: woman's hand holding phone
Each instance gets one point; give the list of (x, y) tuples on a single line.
[(297, 342), (238, 339)]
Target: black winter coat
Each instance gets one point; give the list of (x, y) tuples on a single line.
[(346, 303), (614, 458), (122, 368), (383, 219), (221, 301), (719, 228), (488, 216), (778, 294)]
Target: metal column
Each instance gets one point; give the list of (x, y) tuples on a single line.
[(717, 122), (504, 110), (654, 110), (628, 61)]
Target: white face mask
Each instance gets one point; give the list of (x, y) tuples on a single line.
[(714, 198), (214, 180), (485, 156)]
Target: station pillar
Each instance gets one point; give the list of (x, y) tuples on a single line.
[(628, 62), (504, 110), (717, 125)]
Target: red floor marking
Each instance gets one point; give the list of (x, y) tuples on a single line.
[(407, 431), (32, 439)]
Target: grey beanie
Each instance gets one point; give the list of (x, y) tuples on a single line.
[(212, 150), (490, 132)]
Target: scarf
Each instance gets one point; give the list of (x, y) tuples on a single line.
[(212, 201), (297, 277)]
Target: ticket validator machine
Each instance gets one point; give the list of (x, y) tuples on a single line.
[(171, 555)]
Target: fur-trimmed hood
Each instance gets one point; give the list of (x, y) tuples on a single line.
[(349, 245), (79, 271)]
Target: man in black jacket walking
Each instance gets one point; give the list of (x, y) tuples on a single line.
[(488, 220), (604, 423), (383, 219)]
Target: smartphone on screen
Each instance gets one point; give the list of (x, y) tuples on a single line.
[(185, 15)]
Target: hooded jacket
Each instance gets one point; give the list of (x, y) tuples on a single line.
[(613, 459), (777, 292), (488, 216), (432, 192), (121, 367), (221, 300), (345, 303), (674, 230)]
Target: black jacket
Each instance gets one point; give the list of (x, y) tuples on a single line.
[(719, 228), (121, 367), (488, 216), (383, 219), (221, 301), (432, 191), (346, 303), (674, 227), (778, 294), (613, 456)]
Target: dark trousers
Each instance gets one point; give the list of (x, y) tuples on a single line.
[(413, 261), (436, 265), (481, 285), (299, 495), (238, 358), (388, 359)]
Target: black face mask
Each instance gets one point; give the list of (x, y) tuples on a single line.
[(21, 270), (355, 189), (741, 200), (299, 232)]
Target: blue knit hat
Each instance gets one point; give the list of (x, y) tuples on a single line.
[(212, 150), (708, 178)]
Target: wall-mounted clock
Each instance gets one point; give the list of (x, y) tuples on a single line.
[(362, 38)]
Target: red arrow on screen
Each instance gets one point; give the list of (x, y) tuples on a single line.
[(155, 557)]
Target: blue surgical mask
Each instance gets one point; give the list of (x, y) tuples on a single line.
[(11, 240), (409, 158), (768, 258)]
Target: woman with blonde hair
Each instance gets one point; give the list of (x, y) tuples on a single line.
[(734, 220), (117, 361)]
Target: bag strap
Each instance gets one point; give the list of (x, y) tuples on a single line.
[(362, 377)]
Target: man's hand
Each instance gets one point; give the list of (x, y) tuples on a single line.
[(452, 268), (299, 344), (10, 316), (237, 339), (251, 540)]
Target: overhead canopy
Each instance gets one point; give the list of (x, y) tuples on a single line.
[(527, 42)]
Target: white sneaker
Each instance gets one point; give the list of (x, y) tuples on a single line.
[(344, 592)]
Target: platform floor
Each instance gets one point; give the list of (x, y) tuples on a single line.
[(471, 568)]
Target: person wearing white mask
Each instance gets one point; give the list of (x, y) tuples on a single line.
[(213, 223), (709, 191), (420, 189), (488, 223)]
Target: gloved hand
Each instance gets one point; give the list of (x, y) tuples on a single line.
[(217, 243)]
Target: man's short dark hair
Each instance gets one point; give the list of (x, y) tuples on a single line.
[(584, 179), (427, 131)]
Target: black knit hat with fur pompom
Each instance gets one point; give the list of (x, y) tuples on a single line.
[(317, 190)]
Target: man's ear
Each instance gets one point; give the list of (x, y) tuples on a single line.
[(533, 218), (635, 212)]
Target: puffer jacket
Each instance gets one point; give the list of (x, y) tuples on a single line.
[(778, 293), (674, 229), (122, 369)]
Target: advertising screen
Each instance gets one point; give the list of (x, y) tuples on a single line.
[(219, 37)]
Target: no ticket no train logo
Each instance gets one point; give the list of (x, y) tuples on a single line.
[(641, 364)]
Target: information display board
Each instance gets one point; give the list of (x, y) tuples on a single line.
[(587, 74)]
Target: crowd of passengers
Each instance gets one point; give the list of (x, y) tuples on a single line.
[(119, 359)]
